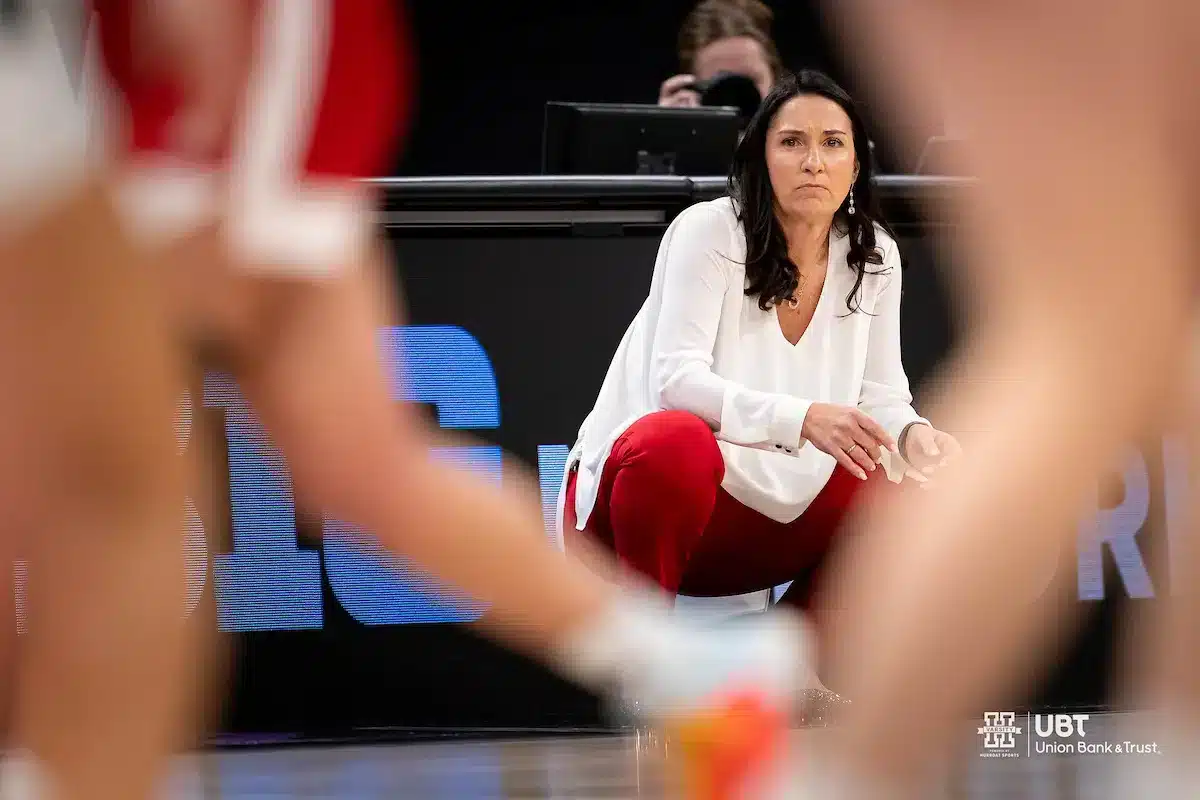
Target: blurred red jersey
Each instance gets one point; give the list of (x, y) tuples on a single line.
[(326, 100), (337, 71)]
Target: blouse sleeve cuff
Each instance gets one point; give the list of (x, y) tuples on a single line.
[(787, 423)]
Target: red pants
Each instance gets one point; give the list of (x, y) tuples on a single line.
[(662, 511)]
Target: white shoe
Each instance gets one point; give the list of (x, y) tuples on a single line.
[(726, 699), (21, 778)]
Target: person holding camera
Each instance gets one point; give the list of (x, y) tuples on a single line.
[(718, 39)]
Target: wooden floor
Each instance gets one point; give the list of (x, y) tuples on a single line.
[(576, 767)]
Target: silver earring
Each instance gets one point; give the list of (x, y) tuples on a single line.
[(850, 208)]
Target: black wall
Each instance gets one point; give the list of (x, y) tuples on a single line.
[(487, 69)]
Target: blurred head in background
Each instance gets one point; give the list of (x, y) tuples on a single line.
[(723, 36)]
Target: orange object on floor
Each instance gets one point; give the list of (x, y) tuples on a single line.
[(728, 748)]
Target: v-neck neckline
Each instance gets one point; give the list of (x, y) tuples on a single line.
[(821, 300)]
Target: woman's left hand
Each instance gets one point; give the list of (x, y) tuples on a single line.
[(926, 449)]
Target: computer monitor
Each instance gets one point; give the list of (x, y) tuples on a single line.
[(626, 139)]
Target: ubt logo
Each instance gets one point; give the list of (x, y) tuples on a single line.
[(1064, 726)]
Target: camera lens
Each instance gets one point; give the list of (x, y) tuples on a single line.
[(731, 89)]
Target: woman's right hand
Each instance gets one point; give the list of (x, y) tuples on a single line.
[(847, 434), (674, 92)]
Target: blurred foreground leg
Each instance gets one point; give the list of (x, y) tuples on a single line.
[(358, 455), (1080, 269), (90, 456)]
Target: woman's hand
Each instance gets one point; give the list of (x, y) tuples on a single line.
[(674, 92), (926, 449), (847, 434)]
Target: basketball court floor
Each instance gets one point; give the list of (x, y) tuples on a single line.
[(583, 767)]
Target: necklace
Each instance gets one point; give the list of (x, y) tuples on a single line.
[(794, 300)]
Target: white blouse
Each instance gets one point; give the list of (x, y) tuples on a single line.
[(700, 344)]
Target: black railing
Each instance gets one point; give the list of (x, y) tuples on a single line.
[(555, 202)]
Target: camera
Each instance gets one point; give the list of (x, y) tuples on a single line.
[(729, 89)]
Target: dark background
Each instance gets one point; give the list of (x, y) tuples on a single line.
[(487, 70)]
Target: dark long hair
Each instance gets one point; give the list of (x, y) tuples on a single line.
[(770, 272)]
